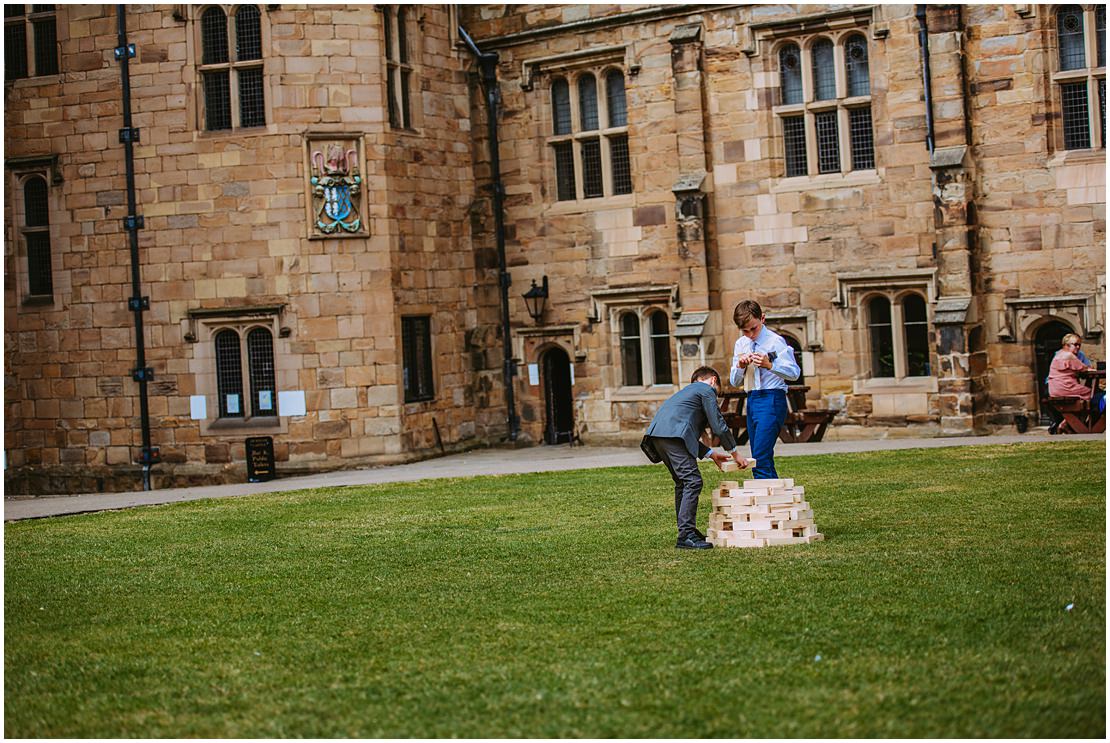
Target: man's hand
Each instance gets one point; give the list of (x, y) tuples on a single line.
[(719, 458), (743, 361), (739, 458), (761, 359)]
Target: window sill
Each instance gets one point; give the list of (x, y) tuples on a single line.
[(592, 205), (643, 394), (251, 425), (827, 180), (29, 82), (38, 300), (893, 385), (236, 132), (1076, 157)]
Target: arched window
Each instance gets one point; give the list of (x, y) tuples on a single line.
[(587, 102), (915, 321), (614, 89), (260, 360), (229, 374), (790, 74), (880, 329), (248, 33), (560, 106), (399, 70), (1069, 31), (213, 34), (855, 63), (631, 361), (824, 71), (1100, 31), (36, 236), (661, 348)]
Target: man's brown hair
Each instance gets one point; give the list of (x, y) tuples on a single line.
[(745, 311), (705, 372)]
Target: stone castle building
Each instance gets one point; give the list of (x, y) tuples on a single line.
[(916, 196)]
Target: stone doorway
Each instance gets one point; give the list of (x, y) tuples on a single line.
[(558, 398), (1046, 342)]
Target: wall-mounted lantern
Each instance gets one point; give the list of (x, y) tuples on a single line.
[(535, 298)]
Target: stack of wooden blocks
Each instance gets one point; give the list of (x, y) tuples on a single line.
[(760, 513)]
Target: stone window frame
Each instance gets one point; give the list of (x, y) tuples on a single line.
[(204, 325), (395, 69), (607, 306), (649, 358), (424, 367), (1093, 75), (842, 104), (28, 22), (44, 169), (605, 134), (853, 292), (233, 65), (898, 322)]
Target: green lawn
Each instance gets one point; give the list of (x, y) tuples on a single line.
[(555, 605)]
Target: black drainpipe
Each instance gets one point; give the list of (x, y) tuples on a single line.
[(133, 223), (488, 62), (923, 37)]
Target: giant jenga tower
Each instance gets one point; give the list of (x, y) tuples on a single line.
[(760, 513)]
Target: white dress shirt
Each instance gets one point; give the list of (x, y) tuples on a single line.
[(783, 369)]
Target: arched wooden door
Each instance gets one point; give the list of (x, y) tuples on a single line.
[(558, 397), (1046, 342)]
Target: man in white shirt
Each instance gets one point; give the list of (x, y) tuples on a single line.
[(763, 363)]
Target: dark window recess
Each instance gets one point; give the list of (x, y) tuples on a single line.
[(587, 99), (46, 47), (564, 171), (260, 357), (213, 35), (14, 11), (252, 106), (15, 50), (406, 82), (631, 361), (882, 337), (855, 60), (1100, 31), (622, 171), (217, 100), (824, 71), (402, 37), (560, 104), (661, 348), (1102, 109), (828, 142), (1077, 129), (1069, 31), (794, 137), (36, 207), (391, 96), (416, 343), (618, 110), (916, 321), (591, 169), (790, 74), (248, 33), (229, 374), (863, 141)]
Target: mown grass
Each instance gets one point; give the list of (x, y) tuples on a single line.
[(555, 605)]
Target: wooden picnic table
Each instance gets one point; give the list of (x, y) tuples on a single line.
[(1078, 415), (802, 424)]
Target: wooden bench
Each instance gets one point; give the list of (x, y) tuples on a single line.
[(802, 424), (1077, 415)]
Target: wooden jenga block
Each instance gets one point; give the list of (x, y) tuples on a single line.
[(803, 511), (773, 498), (795, 523), (784, 540), (731, 466), (729, 485), (816, 537)]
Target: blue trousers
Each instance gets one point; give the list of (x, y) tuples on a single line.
[(766, 414)]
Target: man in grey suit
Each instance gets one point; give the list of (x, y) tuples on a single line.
[(674, 439)]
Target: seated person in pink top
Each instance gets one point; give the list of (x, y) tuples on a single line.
[(1062, 380)]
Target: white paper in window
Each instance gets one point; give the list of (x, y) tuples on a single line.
[(291, 402), (232, 404), (533, 374), (572, 374), (265, 400), (198, 407)]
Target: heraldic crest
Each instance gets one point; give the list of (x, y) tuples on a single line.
[(336, 184)]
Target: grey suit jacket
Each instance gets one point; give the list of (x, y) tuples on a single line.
[(686, 414)]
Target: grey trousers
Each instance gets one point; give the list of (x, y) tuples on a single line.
[(687, 482)]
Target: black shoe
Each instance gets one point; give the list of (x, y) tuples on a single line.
[(1054, 429), (693, 542), (699, 535)]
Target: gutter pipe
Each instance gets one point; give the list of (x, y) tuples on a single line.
[(128, 135), (923, 38), (488, 62)]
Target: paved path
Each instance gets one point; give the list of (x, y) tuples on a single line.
[(478, 462)]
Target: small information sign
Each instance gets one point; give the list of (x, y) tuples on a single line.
[(260, 459)]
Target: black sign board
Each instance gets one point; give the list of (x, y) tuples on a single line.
[(260, 459)]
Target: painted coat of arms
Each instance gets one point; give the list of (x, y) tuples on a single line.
[(336, 184)]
